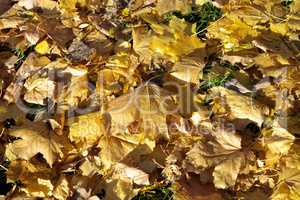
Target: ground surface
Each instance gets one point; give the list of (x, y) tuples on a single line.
[(150, 99)]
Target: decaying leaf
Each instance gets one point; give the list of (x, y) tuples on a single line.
[(192, 189)]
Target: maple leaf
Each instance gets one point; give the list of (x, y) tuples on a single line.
[(188, 69), (115, 148), (223, 153), (169, 41), (148, 106), (164, 6), (77, 91), (277, 142), (251, 15), (35, 138), (119, 75), (38, 89), (121, 182), (36, 179), (234, 32), (288, 186), (237, 107), (85, 130), (89, 130), (32, 64)]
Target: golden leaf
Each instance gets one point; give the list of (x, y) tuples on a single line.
[(170, 41), (71, 5), (42, 47), (61, 190), (35, 178), (40, 140), (188, 69), (114, 148), (237, 107), (288, 186), (86, 130), (277, 142), (146, 108), (223, 153), (165, 6), (232, 31), (38, 89)]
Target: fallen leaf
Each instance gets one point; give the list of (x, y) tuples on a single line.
[(164, 6), (242, 109), (148, 105), (42, 47), (288, 185), (223, 154), (39, 138), (277, 142)]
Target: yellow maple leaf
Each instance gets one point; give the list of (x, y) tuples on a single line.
[(223, 153), (288, 186), (71, 5), (165, 6), (85, 130), (169, 41), (232, 31), (277, 142), (35, 177), (237, 106), (42, 47), (145, 108), (35, 138)]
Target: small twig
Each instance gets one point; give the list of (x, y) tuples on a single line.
[(3, 167), (209, 25), (3, 130)]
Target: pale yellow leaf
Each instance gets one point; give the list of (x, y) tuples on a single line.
[(61, 190), (35, 138)]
